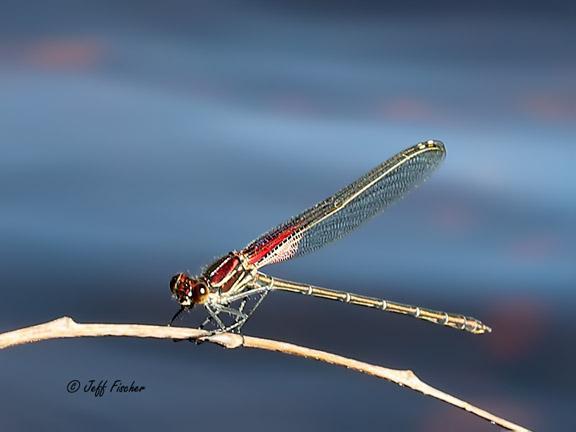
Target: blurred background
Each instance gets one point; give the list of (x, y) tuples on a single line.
[(139, 139)]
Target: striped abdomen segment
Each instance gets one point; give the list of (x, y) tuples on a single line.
[(456, 321)]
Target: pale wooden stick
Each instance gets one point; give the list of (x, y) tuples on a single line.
[(66, 328)]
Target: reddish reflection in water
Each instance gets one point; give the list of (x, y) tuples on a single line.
[(518, 323)]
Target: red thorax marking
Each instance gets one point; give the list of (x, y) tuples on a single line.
[(228, 264)]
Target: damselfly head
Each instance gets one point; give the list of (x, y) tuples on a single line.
[(188, 291)]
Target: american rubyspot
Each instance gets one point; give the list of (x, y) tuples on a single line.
[(225, 287)]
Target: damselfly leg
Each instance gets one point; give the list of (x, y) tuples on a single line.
[(225, 317)]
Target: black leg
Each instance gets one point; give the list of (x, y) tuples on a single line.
[(176, 315)]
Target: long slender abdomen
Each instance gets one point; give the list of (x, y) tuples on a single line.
[(457, 321)]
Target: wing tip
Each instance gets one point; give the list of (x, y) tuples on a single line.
[(434, 146)]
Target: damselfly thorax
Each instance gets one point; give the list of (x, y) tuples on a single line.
[(225, 277), (232, 288)]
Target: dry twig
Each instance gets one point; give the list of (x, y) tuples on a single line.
[(67, 328)]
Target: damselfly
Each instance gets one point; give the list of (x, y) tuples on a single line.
[(232, 287)]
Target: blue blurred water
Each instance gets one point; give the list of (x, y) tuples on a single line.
[(141, 141)]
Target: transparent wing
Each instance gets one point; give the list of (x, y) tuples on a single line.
[(344, 211)]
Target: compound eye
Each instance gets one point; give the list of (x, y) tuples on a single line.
[(200, 293)]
